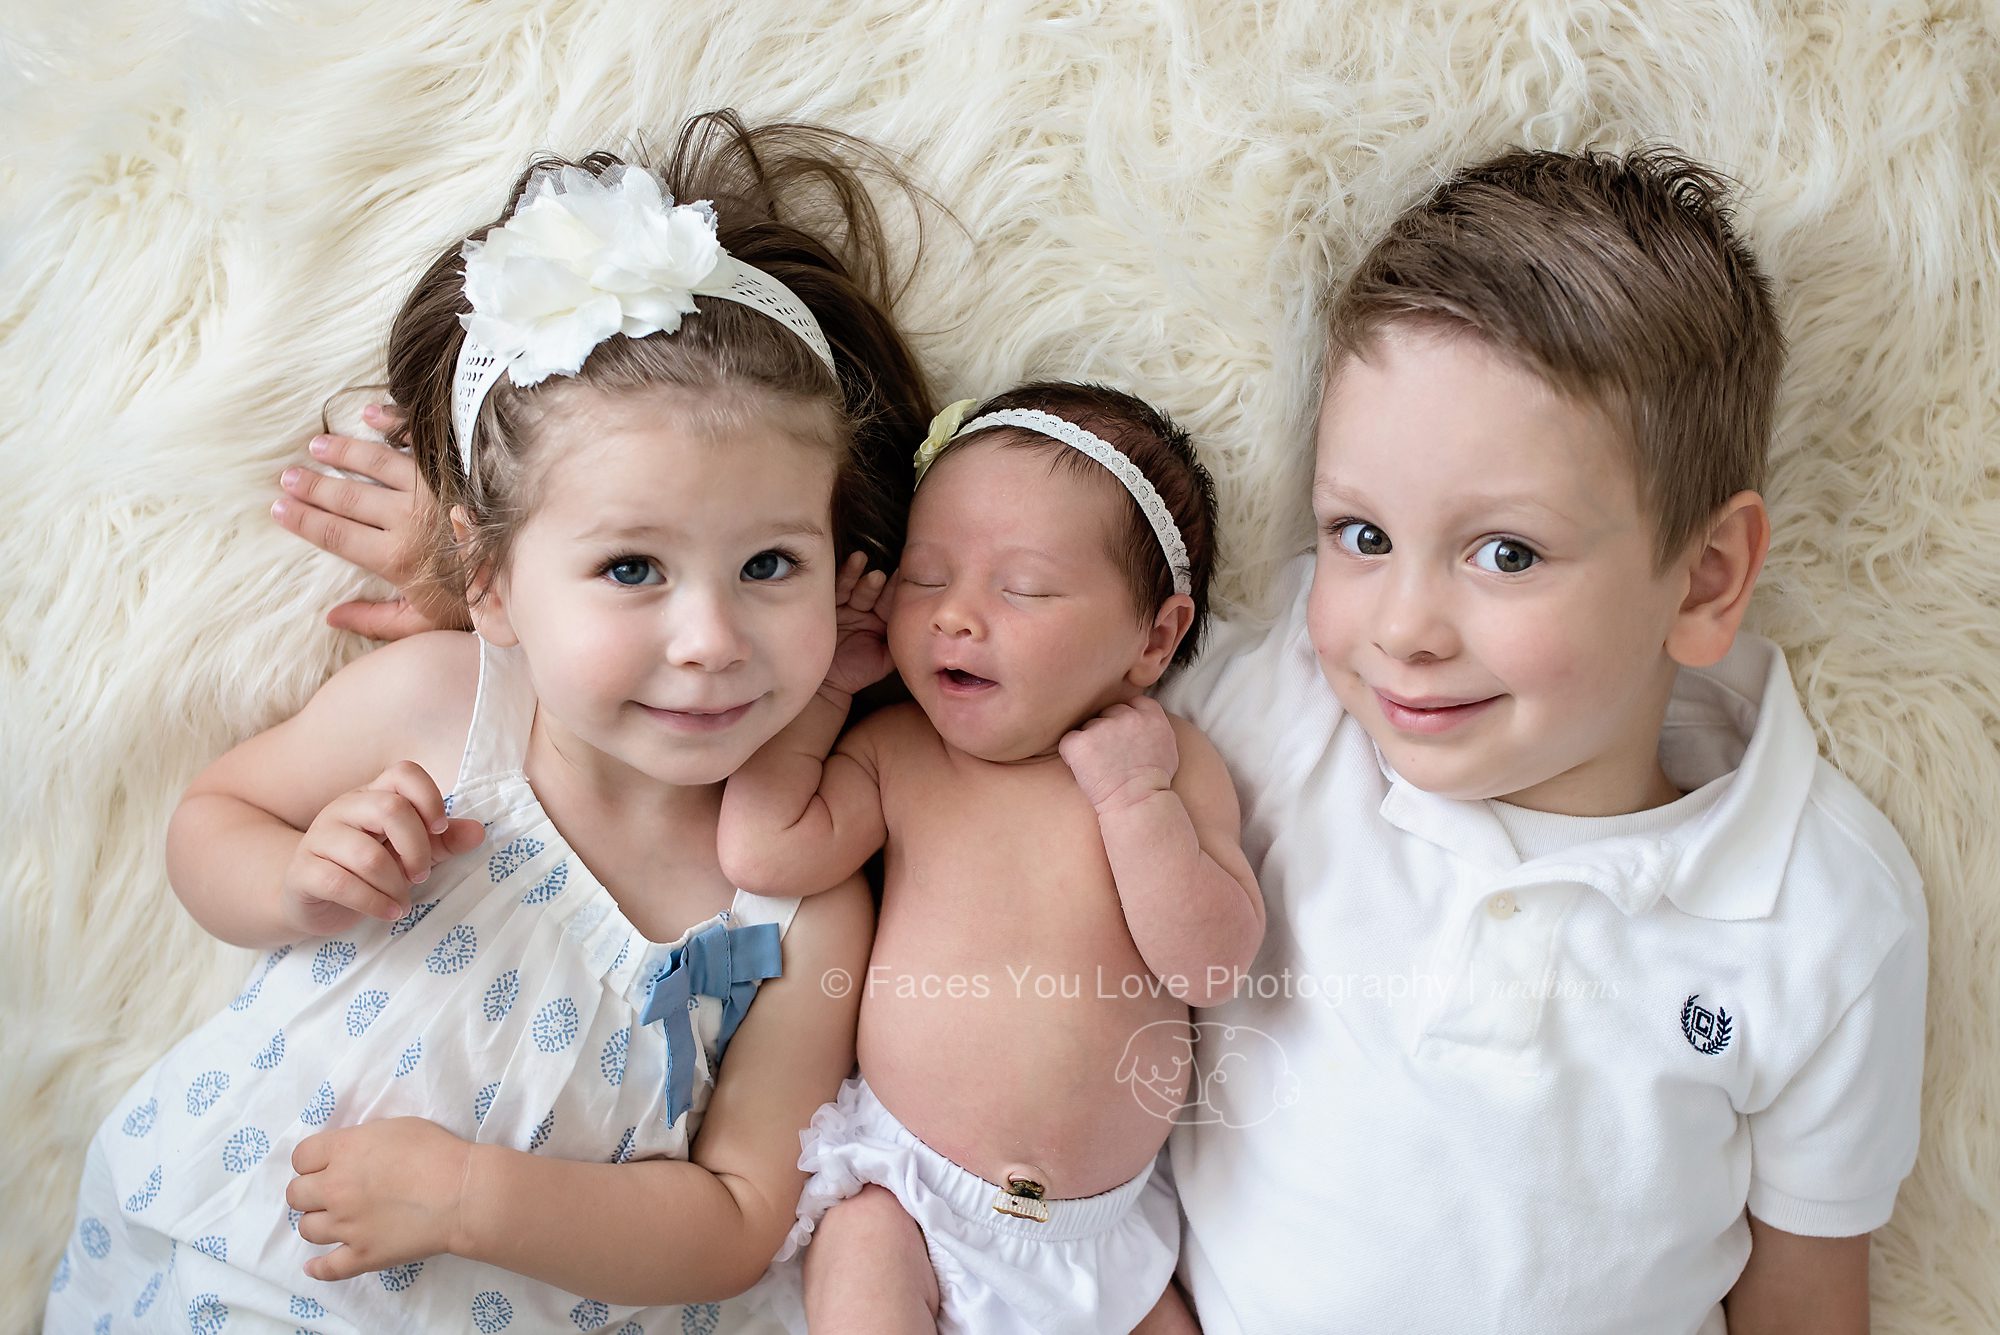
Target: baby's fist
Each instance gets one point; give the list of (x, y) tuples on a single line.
[(1123, 756)]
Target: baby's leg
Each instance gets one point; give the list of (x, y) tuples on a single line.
[(867, 1270), (1170, 1316)]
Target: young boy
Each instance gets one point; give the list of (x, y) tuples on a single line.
[(1592, 999)]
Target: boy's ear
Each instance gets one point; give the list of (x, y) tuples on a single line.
[(1170, 623), (485, 596), (1722, 570)]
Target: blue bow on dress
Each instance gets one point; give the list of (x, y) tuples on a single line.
[(718, 961)]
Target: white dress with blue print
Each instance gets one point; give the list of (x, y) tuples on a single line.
[(514, 1004)]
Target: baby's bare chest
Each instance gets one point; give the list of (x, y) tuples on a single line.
[(998, 861)]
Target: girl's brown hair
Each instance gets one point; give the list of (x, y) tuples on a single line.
[(790, 200)]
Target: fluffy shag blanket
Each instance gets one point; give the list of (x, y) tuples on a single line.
[(208, 212)]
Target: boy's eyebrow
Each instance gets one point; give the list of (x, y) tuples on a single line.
[(1326, 489)]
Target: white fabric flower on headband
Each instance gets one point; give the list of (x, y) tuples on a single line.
[(583, 258)]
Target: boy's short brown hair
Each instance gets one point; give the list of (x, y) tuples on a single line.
[(1621, 282)]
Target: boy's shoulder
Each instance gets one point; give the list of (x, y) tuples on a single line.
[(1848, 864)]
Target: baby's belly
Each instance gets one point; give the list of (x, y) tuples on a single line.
[(1072, 1063)]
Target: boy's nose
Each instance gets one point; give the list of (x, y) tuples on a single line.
[(1412, 622)]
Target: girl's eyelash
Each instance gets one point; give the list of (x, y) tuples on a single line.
[(625, 558)]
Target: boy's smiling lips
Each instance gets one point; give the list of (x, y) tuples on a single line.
[(1430, 714)]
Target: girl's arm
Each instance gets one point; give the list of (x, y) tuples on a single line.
[(1171, 827), (237, 848), (795, 818), (657, 1231)]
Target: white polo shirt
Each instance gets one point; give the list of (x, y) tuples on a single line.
[(1471, 1090)]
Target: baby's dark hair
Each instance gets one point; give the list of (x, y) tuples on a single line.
[(790, 200), (1163, 452)]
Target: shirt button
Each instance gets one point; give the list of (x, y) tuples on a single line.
[(1503, 905)]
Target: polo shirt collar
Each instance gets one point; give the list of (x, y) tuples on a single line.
[(1738, 722)]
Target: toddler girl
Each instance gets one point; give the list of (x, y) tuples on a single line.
[(481, 1058), (1062, 877)]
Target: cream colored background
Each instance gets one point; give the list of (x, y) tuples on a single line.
[(208, 210)]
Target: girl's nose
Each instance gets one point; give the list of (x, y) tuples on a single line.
[(705, 632)]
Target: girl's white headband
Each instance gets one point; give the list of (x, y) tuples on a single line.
[(946, 427), (582, 258)]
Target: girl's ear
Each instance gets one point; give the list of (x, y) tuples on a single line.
[(1170, 623), (485, 593)]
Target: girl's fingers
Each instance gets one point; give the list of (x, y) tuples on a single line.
[(311, 1155), (412, 782), (371, 458), (338, 883), (361, 544), (363, 502), (407, 833), (384, 417), (865, 594), (340, 1263), (390, 619), (316, 1228), (850, 574)]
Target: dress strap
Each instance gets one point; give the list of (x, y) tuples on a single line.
[(747, 908), (502, 715)]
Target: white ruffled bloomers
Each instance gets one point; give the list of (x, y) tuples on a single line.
[(1098, 1264)]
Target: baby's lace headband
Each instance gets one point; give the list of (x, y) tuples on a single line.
[(950, 425), (585, 257)]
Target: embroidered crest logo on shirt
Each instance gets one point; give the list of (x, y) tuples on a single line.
[(1707, 1030)]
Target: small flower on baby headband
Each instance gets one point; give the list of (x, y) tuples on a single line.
[(943, 427), (583, 258)]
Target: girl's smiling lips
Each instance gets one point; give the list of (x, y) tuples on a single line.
[(1434, 714), (698, 720)]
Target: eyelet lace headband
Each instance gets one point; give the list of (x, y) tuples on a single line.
[(585, 257), (950, 425)]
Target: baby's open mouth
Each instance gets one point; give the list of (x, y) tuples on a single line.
[(963, 680)]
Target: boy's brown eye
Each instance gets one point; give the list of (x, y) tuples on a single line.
[(1362, 539), (1505, 556)]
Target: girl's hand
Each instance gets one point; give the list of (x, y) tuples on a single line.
[(385, 1192), (369, 519), (366, 848), (1123, 756), (861, 654)]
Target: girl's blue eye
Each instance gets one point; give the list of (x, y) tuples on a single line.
[(631, 571), (767, 566), (1361, 538), (1505, 556)]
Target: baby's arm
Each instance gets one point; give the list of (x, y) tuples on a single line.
[(1171, 829), (642, 1233), (307, 826), (795, 818)]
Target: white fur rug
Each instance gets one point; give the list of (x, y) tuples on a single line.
[(209, 209)]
